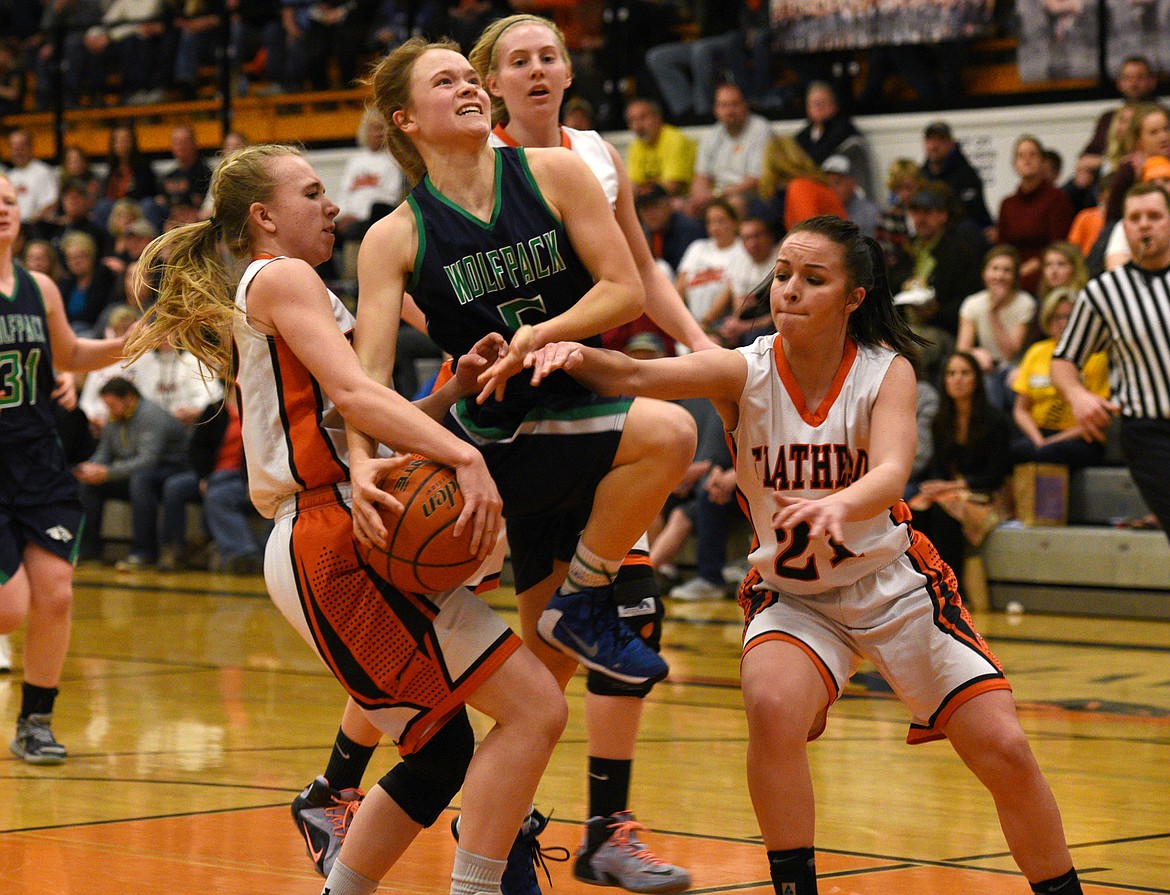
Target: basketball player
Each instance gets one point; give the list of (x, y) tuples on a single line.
[(40, 513), (821, 419), (411, 661), (524, 244), (525, 65)]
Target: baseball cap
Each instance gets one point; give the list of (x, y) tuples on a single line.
[(837, 164), (915, 295), (929, 198), (645, 342), (141, 227), (1155, 168), (939, 129), (654, 193)]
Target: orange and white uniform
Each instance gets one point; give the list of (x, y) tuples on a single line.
[(410, 660), (882, 593)]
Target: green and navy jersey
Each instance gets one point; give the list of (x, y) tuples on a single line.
[(26, 364), (473, 277)]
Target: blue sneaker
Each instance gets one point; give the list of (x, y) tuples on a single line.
[(520, 873), (585, 625)]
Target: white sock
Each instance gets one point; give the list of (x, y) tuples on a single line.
[(475, 874), (590, 570), (343, 881)]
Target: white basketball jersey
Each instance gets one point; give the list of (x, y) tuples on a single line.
[(294, 438), (782, 446), (590, 145)]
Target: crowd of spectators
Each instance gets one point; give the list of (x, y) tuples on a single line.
[(987, 289)]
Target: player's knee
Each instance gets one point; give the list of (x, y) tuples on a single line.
[(53, 600), (676, 432), (550, 716), (424, 782), (774, 715)]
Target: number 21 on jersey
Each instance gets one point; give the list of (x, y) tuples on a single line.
[(796, 562)]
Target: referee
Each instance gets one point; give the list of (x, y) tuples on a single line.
[(1127, 312)]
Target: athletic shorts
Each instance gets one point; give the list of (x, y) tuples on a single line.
[(547, 469), (907, 619), (38, 504), (410, 660)]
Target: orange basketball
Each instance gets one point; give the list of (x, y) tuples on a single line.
[(424, 556)]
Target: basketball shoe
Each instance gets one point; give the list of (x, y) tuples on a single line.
[(5, 654), (585, 625), (322, 815), (35, 742), (613, 855), (526, 853)]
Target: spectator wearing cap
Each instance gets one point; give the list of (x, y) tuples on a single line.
[(668, 232), (660, 154), (939, 255), (917, 305), (1036, 215), (829, 131), (945, 162), (1117, 251), (859, 208)]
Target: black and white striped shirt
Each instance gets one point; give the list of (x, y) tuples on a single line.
[(1126, 312)]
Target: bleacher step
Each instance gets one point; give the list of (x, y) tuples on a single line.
[(1080, 570)]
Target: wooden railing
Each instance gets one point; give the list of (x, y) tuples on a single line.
[(310, 118)]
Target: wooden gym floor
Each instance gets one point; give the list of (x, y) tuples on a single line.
[(193, 714)]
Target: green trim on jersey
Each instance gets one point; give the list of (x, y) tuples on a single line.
[(499, 200), (421, 250), (535, 186), (544, 420)]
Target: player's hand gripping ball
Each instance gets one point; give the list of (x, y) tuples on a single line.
[(424, 556)]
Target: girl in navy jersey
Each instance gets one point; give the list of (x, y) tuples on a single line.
[(411, 661), (821, 419), (525, 65), (40, 514), (523, 243)]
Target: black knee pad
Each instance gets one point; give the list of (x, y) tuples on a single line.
[(424, 782), (636, 594)]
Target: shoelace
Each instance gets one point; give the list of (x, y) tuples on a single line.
[(540, 856), (625, 834), (341, 813)]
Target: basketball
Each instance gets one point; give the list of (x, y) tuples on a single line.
[(424, 556)]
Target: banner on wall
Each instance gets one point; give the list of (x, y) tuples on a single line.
[(1058, 39), (811, 26), (1138, 28)]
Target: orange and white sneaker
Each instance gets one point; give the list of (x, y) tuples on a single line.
[(613, 855), (322, 815)]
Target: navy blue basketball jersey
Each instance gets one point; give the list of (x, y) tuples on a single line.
[(474, 277), (26, 364)]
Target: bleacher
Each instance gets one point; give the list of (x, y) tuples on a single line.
[(1090, 566)]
